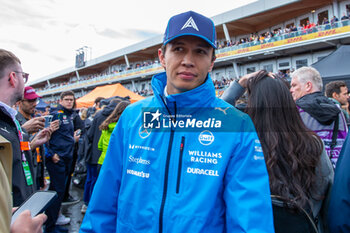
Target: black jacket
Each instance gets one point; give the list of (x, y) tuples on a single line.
[(84, 147), (62, 140), (94, 133), (21, 191), (319, 107), (38, 167)]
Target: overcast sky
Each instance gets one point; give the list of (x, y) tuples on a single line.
[(45, 34)]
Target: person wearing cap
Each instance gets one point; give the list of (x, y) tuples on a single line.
[(12, 80), (26, 108), (182, 160), (31, 125)]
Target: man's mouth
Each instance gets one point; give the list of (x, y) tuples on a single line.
[(187, 75)]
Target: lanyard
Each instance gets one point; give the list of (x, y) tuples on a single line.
[(24, 145)]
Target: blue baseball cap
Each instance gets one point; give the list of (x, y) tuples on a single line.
[(190, 24)]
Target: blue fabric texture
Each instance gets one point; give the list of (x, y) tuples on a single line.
[(91, 177), (180, 180), (339, 205)]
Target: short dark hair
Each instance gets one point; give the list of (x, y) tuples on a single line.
[(163, 48), (98, 99), (334, 87), (67, 93), (7, 59)]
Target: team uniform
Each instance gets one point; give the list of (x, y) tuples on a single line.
[(61, 143), (191, 176)]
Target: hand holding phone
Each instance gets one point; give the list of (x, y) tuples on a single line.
[(37, 203), (54, 125), (77, 135), (26, 224), (48, 119), (78, 132)]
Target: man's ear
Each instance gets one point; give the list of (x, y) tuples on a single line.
[(12, 79), (335, 95), (212, 65), (309, 86), (161, 57)]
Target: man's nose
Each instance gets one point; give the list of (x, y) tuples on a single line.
[(187, 60)]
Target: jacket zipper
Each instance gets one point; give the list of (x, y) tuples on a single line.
[(166, 175), (180, 164), (161, 212)]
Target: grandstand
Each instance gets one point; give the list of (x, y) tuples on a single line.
[(276, 35)]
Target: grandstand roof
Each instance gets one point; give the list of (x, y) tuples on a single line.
[(244, 20), (335, 66)]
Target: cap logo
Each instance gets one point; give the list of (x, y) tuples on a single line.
[(190, 24)]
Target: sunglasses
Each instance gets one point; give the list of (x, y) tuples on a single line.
[(24, 75), (36, 101)]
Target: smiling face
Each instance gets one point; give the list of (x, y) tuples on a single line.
[(187, 61)]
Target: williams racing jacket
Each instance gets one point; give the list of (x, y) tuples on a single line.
[(187, 162)]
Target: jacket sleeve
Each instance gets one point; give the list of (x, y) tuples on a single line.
[(247, 191), (90, 131), (48, 151), (101, 215), (339, 206), (100, 141), (326, 174), (233, 93)]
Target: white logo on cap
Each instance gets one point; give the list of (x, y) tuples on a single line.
[(190, 24)]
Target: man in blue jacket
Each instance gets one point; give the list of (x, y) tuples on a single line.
[(59, 156), (182, 160)]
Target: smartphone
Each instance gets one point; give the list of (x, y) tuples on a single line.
[(37, 203), (48, 119), (78, 132)]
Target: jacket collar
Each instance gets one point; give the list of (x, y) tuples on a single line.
[(67, 111), (8, 110), (201, 96), (319, 107)]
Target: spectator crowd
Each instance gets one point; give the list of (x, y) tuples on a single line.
[(254, 39)]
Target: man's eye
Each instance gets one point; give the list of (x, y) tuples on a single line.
[(201, 51), (178, 49)]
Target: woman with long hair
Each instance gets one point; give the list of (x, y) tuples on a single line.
[(107, 127), (299, 170)]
